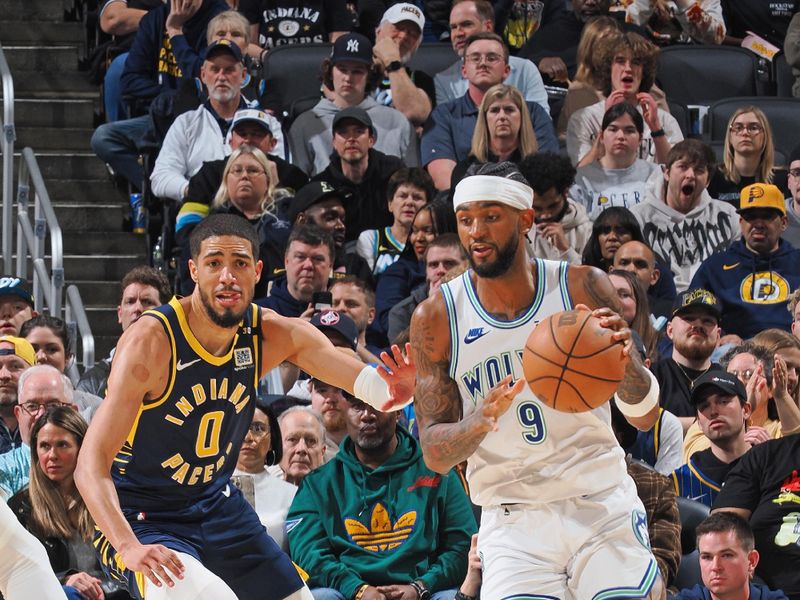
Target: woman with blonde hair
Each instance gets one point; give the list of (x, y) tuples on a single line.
[(52, 509), (503, 131), (749, 155), (248, 189)]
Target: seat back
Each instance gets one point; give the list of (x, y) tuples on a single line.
[(292, 72), (783, 115), (682, 115), (704, 74), (784, 78), (433, 58), (692, 513)]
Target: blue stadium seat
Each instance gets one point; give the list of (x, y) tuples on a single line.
[(783, 115), (292, 72), (692, 514), (432, 58)]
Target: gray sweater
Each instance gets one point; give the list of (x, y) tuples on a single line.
[(597, 189)]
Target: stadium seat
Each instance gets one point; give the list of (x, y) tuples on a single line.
[(784, 78), (683, 116), (703, 74), (783, 115), (432, 58), (692, 513), (292, 71)]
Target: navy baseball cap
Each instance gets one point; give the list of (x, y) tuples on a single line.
[(340, 323), (725, 382), (14, 286), (353, 47), (221, 46)]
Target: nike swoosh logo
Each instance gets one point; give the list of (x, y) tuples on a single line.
[(729, 267), (227, 491), (474, 335), (182, 365)]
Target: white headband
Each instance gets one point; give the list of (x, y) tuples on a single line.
[(490, 188)]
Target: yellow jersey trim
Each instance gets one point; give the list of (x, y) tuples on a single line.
[(195, 345), (172, 371)]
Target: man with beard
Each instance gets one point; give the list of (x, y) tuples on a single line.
[(376, 522), (562, 225), (154, 469), (530, 467), (330, 402), (16, 355), (200, 135), (679, 220), (694, 331), (722, 409)]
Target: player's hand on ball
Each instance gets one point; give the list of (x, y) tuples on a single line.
[(499, 399), (611, 319), (155, 562)]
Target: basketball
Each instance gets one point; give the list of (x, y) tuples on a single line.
[(571, 362)]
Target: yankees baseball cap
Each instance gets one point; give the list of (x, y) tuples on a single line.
[(251, 115), (352, 47), (697, 298), (14, 286), (405, 12), (761, 195), (22, 348), (723, 381), (340, 323), (222, 46)]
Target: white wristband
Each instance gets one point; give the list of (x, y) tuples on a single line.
[(646, 405), (369, 387)]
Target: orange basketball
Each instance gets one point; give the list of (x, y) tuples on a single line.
[(571, 363)]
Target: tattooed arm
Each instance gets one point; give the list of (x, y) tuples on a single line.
[(592, 287), (445, 437)]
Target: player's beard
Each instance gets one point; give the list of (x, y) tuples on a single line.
[(503, 262), (228, 318)]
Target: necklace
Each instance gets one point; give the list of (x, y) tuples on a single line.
[(689, 379)]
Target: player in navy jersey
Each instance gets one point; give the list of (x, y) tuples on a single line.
[(561, 518), (155, 467)]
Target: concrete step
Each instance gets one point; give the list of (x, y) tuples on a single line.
[(117, 242), (61, 84), (104, 343), (103, 319), (101, 266), (44, 59), (98, 293), (93, 220), (78, 165), (55, 138), (90, 191), (18, 32), (53, 113), (34, 10)]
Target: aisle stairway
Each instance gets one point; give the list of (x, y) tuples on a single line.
[(54, 113)]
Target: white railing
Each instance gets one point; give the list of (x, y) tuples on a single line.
[(9, 136)]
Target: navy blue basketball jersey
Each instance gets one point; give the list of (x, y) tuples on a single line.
[(183, 446)]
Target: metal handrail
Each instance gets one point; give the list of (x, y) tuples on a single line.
[(7, 145), (27, 237), (74, 304)]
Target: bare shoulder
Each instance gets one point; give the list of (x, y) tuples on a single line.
[(592, 287), (142, 358)]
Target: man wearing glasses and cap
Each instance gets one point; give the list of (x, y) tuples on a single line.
[(16, 355), (755, 275)]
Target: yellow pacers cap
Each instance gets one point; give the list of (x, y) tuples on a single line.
[(762, 195), (22, 348)]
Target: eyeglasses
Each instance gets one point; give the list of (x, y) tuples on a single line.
[(794, 172), (251, 171), (33, 408), (258, 430), (752, 128), (476, 58), (743, 376)]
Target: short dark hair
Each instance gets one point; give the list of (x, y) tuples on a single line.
[(620, 109), (640, 49), (486, 35), (223, 224), (362, 285), (374, 77), (505, 169), (695, 152), (724, 521), (415, 176), (447, 240), (312, 235), (547, 170), (147, 275), (54, 324), (484, 9)]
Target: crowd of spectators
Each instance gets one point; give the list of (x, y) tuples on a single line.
[(351, 201)]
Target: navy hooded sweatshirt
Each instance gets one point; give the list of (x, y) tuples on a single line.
[(753, 289)]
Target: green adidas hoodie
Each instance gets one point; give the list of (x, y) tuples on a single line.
[(349, 525)]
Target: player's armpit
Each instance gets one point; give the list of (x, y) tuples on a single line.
[(446, 441)]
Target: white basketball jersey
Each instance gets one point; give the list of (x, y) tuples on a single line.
[(538, 454)]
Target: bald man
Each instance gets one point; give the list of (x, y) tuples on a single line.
[(639, 259)]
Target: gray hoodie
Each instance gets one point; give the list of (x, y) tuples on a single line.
[(685, 240), (311, 140), (577, 228)]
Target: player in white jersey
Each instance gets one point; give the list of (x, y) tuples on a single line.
[(561, 518)]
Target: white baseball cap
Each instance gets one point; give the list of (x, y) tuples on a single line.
[(405, 12)]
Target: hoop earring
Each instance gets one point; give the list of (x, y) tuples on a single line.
[(270, 458)]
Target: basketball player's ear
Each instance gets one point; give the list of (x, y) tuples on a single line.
[(526, 220), (259, 268), (193, 270)]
